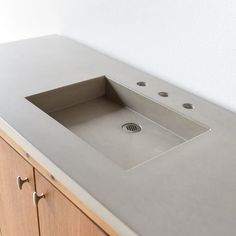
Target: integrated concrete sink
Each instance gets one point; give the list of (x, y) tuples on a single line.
[(125, 126)]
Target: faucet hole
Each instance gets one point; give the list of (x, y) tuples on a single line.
[(188, 106), (163, 94), (142, 83)]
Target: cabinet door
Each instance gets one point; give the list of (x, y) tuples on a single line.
[(58, 216), (18, 216)]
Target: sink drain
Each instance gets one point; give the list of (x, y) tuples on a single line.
[(131, 128)]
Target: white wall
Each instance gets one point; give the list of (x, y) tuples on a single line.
[(20, 19), (191, 44)]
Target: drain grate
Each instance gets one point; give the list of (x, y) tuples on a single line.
[(131, 128)]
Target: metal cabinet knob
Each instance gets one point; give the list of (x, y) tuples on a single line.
[(37, 197), (20, 182)]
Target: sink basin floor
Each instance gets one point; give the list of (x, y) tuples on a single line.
[(99, 123)]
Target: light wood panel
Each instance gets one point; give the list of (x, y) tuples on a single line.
[(18, 214), (109, 230), (88, 228), (58, 216)]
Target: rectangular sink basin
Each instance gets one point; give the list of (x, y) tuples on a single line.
[(123, 125)]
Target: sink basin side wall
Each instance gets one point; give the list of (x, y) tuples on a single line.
[(64, 97)]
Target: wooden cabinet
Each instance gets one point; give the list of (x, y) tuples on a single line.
[(54, 215), (18, 216), (58, 216)]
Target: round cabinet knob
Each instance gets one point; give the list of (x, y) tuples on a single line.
[(37, 197), (20, 182)]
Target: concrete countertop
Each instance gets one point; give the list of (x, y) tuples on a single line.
[(190, 190)]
